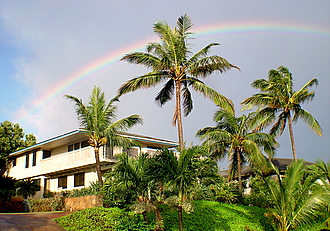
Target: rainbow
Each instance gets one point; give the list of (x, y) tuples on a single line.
[(202, 31)]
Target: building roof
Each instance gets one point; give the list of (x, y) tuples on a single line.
[(79, 135), (280, 163)]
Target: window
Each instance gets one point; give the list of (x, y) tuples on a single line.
[(46, 154), (34, 158), (14, 161), (76, 146), (84, 144), (79, 179), (27, 159), (37, 182), (70, 148), (62, 182)]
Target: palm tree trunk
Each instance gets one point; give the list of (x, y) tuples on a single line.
[(145, 217), (293, 146), (180, 217), (159, 220), (178, 116), (239, 173), (98, 166)]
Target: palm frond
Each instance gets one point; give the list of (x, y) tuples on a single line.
[(308, 119), (149, 80), (220, 100)]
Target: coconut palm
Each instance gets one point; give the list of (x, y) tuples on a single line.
[(171, 60), (279, 104), (179, 175), (296, 197), (231, 137), (97, 118)]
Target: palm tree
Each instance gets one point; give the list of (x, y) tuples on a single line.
[(97, 118), (296, 196), (232, 137), (171, 60), (178, 174), (279, 104), (130, 175)]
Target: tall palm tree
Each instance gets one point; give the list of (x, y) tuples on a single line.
[(231, 136), (296, 196), (178, 174), (279, 104), (97, 118), (171, 60)]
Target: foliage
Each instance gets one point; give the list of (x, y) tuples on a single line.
[(207, 215), (298, 197), (97, 118), (259, 195), (102, 219), (12, 138), (26, 188), (232, 137), (278, 104), (217, 189), (8, 187), (172, 61), (54, 203)]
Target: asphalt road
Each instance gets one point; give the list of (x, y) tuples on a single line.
[(30, 221)]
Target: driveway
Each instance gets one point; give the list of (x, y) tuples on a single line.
[(30, 221)]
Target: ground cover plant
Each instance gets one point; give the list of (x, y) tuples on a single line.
[(207, 215)]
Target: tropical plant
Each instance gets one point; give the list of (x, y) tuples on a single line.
[(172, 60), (97, 118), (130, 175), (232, 137), (296, 196), (279, 104), (12, 138), (8, 187), (179, 175), (27, 188)]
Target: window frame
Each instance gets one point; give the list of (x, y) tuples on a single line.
[(77, 182)]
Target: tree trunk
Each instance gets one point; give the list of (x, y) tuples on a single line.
[(177, 115), (293, 145), (239, 173), (180, 217), (159, 220), (145, 217), (98, 166)]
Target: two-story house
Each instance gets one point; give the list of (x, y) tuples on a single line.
[(67, 161)]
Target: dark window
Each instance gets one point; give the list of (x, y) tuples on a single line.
[(34, 158), (76, 146), (27, 159), (63, 181), (70, 148), (79, 179), (37, 182), (84, 144), (14, 161), (46, 154)]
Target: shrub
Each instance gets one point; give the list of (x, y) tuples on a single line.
[(55, 203), (102, 219)]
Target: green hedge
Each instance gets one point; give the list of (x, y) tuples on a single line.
[(98, 219)]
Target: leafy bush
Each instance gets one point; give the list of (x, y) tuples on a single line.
[(258, 195), (55, 203), (209, 215), (102, 219)]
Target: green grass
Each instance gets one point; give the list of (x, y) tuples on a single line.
[(207, 216)]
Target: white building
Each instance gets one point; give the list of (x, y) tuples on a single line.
[(67, 161)]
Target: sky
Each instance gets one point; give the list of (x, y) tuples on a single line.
[(52, 48)]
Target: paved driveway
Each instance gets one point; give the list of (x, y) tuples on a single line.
[(30, 221)]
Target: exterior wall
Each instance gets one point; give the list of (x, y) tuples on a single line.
[(67, 162)]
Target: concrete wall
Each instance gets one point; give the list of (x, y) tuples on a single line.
[(78, 203)]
